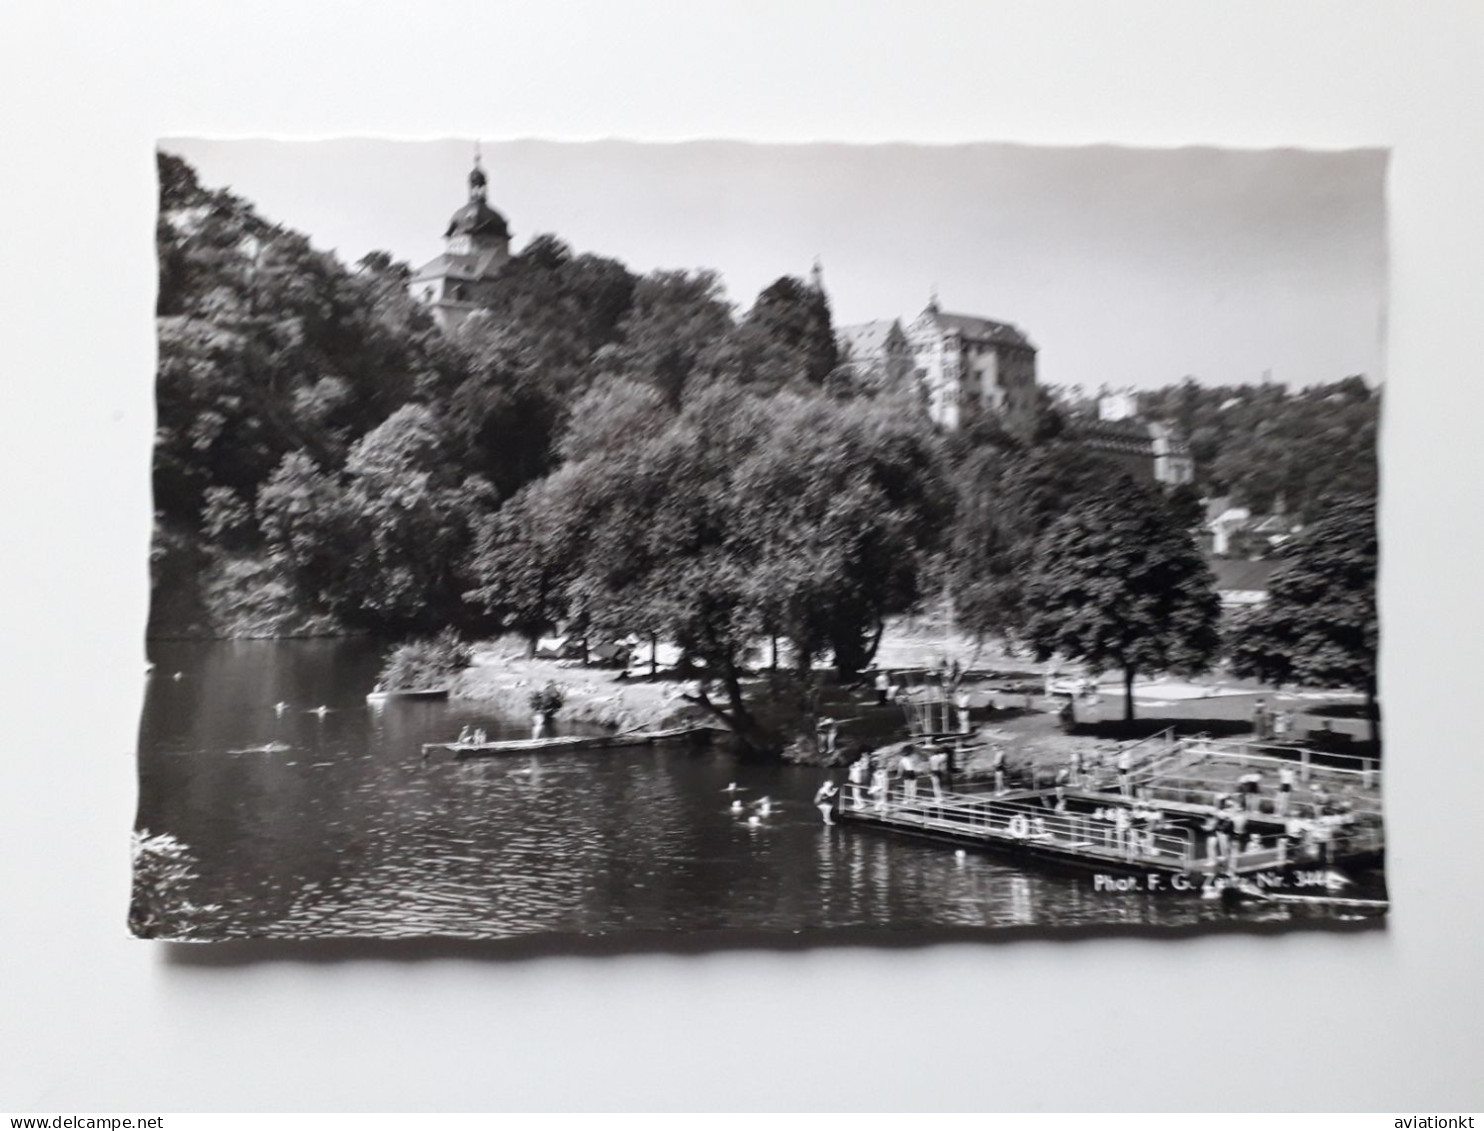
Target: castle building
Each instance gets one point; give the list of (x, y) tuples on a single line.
[(963, 363), (1148, 449), (877, 354), (476, 248)]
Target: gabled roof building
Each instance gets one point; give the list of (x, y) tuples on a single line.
[(876, 353)]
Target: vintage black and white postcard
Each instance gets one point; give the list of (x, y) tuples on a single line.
[(559, 538)]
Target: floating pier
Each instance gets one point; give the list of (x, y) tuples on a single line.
[(1152, 837)]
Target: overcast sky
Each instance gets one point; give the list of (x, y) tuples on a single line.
[(1124, 266)]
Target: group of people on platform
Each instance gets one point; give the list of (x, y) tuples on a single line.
[(870, 777), (1229, 835), (1135, 823)]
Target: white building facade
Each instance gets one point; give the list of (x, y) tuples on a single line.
[(963, 363)]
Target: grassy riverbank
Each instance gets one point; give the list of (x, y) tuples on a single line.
[(1026, 727), (504, 677)]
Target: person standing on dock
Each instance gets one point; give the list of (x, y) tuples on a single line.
[(883, 684), (999, 769), (538, 725), (1260, 720), (1285, 790), (1226, 833), (879, 789), (961, 701), (909, 776), (1123, 833), (1238, 835), (859, 771), (824, 800), (1125, 764), (937, 768), (1251, 786)]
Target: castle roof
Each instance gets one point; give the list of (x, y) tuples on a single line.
[(973, 328), (869, 339)]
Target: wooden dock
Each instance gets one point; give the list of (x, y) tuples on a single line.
[(673, 736), (1025, 823)]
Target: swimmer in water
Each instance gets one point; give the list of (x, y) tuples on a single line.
[(824, 800), (764, 806), (736, 806)]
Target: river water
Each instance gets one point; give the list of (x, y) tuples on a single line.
[(347, 831)]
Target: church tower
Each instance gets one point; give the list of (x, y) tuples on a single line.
[(476, 248)]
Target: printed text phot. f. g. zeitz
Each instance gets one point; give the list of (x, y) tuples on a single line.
[(717, 537)]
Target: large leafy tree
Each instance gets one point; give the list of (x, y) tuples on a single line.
[(524, 558), (379, 545), (613, 413), (1006, 496), (1117, 583), (743, 515), (531, 355), (665, 554), (786, 341), (673, 318), (267, 347), (1319, 626), (795, 315), (845, 500)]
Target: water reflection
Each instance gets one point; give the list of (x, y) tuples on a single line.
[(334, 824)]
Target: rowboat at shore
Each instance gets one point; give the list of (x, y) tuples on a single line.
[(692, 735), (408, 693)]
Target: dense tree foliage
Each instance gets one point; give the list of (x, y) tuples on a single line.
[(1268, 446), (616, 455), (742, 515), (1006, 496), (1116, 583), (674, 317), (1319, 626), (426, 664)]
